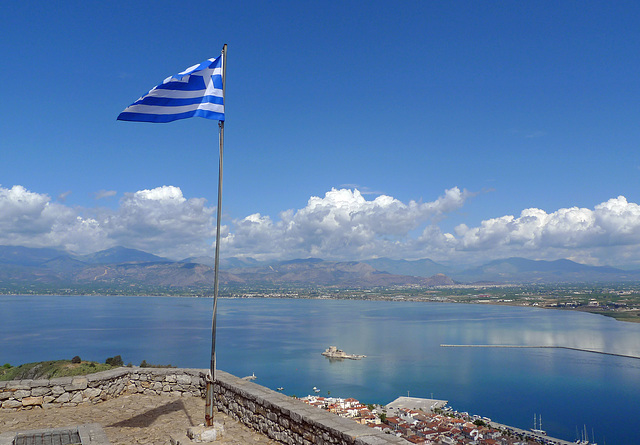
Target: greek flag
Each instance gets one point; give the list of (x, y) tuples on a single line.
[(197, 91)]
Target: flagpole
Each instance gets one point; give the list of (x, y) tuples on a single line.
[(209, 391)]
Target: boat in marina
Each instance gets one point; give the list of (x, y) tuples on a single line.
[(584, 439), (537, 428)]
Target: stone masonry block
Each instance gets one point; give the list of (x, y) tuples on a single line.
[(91, 393), (78, 383), (64, 398), (17, 384), (21, 393), (40, 391), (39, 383), (183, 379), (62, 381), (32, 401), (11, 404), (171, 378)]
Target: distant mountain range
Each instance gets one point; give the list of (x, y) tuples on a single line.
[(520, 270), (512, 270), (331, 273), (119, 266), (418, 268)]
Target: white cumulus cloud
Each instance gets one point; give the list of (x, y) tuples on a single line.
[(30, 219), (343, 224), (566, 233), (160, 220)]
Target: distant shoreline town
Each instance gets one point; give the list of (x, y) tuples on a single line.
[(120, 271), (621, 302)]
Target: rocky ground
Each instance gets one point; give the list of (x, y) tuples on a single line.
[(135, 419)]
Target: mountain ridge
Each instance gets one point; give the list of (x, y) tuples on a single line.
[(130, 267)]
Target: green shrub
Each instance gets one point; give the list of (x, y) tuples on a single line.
[(76, 359), (144, 364), (115, 361)]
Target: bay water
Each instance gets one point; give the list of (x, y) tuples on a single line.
[(281, 340)]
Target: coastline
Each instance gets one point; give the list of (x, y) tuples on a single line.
[(630, 315), (286, 336)]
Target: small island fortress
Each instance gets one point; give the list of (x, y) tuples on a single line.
[(334, 352)]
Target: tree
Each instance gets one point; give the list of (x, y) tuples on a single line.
[(76, 359), (114, 361), (383, 417)]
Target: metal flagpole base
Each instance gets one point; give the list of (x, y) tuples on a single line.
[(209, 400), (206, 434)]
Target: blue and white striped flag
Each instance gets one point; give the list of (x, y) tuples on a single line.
[(197, 91)]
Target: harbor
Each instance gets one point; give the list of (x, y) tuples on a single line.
[(543, 347), (428, 421), (507, 385)]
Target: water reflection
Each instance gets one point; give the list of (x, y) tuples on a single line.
[(281, 342)]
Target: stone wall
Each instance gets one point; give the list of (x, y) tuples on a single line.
[(94, 388), (271, 413), (288, 420)]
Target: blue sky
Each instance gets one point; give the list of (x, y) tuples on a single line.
[(459, 131)]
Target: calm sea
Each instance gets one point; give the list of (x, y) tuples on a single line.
[(280, 340)]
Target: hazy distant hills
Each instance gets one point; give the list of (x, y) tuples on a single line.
[(418, 268), (331, 273), (121, 267), (23, 266), (122, 255), (225, 263), (511, 270), (520, 270)]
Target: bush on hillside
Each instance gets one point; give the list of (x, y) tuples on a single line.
[(144, 364), (76, 359), (115, 361)]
